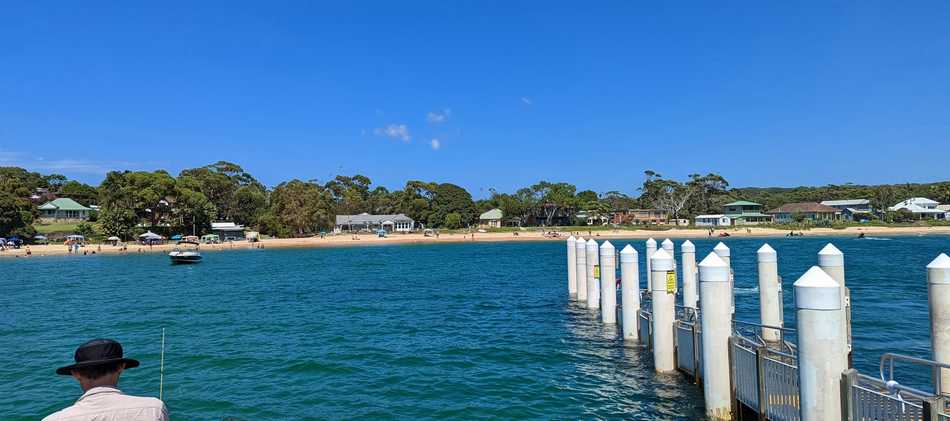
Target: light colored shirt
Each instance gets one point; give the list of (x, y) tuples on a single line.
[(110, 404)]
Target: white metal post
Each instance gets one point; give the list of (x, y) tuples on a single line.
[(938, 291), (716, 323), (690, 289), (770, 293), (651, 248), (572, 267), (819, 316), (580, 247), (629, 292), (593, 276), (664, 302), (831, 260), (608, 283)]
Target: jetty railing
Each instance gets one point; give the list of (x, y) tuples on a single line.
[(748, 368)]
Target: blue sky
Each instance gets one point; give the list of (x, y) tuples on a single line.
[(479, 93)]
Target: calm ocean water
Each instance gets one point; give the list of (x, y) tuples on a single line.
[(395, 332)]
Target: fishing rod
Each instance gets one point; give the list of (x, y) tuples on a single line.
[(161, 369)]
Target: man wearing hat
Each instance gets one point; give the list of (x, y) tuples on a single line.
[(99, 363)]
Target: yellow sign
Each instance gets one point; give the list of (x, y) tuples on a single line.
[(670, 282), (597, 271)]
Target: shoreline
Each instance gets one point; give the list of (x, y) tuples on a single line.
[(347, 240)]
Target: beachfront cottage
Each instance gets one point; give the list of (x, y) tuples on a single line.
[(804, 211), (743, 212), (64, 209), (228, 231), (852, 209), (713, 221), (640, 217), (491, 219), (371, 223), (921, 207)]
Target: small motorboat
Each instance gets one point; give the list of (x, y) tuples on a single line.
[(184, 255)]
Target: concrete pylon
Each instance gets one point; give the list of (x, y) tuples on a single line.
[(725, 254), (629, 292), (716, 324), (580, 252), (770, 293), (608, 283), (593, 275), (572, 267), (651, 248), (938, 292), (819, 316), (664, 311), (831, 260), (690, 288)]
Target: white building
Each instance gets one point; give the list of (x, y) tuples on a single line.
[(713, 221), (921, 207), (491, 219), (366, 222)]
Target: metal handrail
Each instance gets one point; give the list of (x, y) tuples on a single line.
[(758, 327), (888, 359)]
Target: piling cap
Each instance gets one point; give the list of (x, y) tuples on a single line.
[(651, 242), (661, 261), (688, 247), (830, 256), (592, 250), (571, 240), (722, 250), (767, 254), (628, 254), (938, 271), (667, 245), (815, 290), (607, 248), (713, 269)]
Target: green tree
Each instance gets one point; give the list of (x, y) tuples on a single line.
[(554, 197), (16, 216), (449, 198), (115, 221), (453, 220), (301, 207)]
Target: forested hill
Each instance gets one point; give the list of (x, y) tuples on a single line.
[(881, 196)]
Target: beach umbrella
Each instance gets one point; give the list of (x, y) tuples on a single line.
[(114, 238), (150, 236)]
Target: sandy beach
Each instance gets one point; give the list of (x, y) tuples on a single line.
[(531, 234)]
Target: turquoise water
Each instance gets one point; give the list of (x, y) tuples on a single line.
[(393, 332)]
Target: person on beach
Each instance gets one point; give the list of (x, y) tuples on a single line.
[(99, 363)]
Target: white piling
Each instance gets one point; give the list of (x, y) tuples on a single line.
[(690, 289), (572, 267), (770, 293), (664, 302), (629, 292), (716, 324), (724, 253), (593, 275), (831, 260), (651, 248), (819, 316), (667, 245), (608, 283), (938, 291), (580, 247)]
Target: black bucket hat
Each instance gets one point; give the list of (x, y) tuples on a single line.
[(97, 352)]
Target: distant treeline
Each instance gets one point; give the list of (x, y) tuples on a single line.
[(131, 201)]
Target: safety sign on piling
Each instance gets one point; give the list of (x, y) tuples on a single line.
[(670, 282), (597, 271)]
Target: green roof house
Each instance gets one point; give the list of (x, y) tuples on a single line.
[(64, 209), (743, 212), (491, 219)]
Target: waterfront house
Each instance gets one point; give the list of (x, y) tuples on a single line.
[(64, 209), (712, 221), (491, 219), (640, 217), (921, 207), (807, 211), (946, 211), (743, 212), (228, 231), (373, 223), (852, 209)]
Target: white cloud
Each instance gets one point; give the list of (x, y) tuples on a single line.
[(395, 131), (436, 117), (526, 100), (436, 144)]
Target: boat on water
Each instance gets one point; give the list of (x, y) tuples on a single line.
[(182, 254)]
